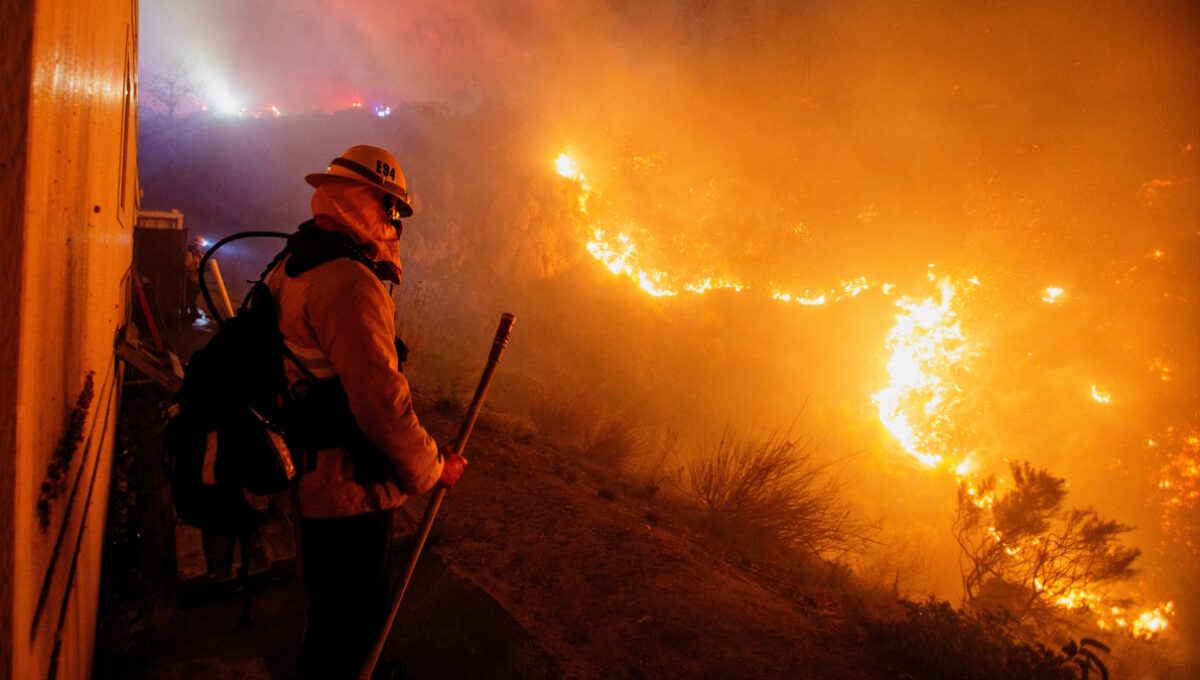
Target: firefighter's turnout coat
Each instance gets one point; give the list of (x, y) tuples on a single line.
[(338, 319)]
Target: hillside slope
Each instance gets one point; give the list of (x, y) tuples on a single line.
[(611, 588)]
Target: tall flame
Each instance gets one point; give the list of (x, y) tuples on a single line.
[(927, 344)]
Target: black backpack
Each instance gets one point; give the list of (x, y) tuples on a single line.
[(226, 430), (235, 423)]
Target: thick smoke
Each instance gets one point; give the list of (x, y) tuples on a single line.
[(785, 144)]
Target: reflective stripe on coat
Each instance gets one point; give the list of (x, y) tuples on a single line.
[(338, 319)]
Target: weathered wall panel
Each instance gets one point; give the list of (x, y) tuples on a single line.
[(78, 198)]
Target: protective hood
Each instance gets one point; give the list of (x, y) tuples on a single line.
[(356, 210)]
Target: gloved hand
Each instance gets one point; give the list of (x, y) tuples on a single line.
[(452, 469)]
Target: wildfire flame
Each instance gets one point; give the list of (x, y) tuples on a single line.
[(568, 168), (928, 348), (620, 256), (1145, 625), (617, 251), (1142, 625), (927, 344)]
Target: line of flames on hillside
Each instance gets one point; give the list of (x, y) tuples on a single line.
[(928, 347)]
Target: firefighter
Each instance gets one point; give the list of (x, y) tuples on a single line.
[(344, 369)]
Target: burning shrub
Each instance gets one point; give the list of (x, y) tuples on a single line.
[(773, 489), (1025, 558)]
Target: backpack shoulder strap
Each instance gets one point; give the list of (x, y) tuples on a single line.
[(260, 297)]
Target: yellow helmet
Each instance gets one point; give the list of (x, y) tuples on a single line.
[(368, 165)]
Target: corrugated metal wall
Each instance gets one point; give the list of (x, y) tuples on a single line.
[(69, 163)]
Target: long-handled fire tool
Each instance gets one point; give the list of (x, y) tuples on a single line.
[(458, 445)]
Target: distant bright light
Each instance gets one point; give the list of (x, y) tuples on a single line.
[(1052, 295), (275, 110), (356, 105), (223, 103), (383, 111), (1101, 395)]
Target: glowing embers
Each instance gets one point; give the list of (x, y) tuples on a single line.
[(928, 347), (1179, 488), (981, 493), (1053, 295), (1181, 475), (1162, 368), (1101, 395)]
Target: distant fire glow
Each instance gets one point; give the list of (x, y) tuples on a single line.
[(1052, 295), (1162, 368), (1101, 395)]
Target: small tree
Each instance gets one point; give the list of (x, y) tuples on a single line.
[(170, 94), (1021, 553)]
